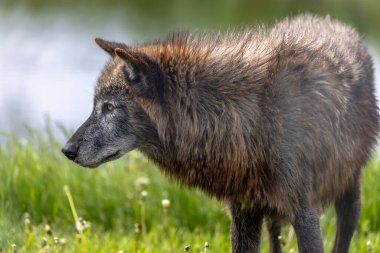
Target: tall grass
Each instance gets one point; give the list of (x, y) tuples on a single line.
[(33, 173), (121, 203)]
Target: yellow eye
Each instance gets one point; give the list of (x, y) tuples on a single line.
[(109, 107)]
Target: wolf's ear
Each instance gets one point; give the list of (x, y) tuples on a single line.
[(135, 63), (109, 46), (143, 73)]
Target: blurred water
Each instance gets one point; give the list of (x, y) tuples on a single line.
[(49, 65)]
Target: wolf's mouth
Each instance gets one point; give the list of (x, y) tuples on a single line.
[(108, 158), (111, 156)]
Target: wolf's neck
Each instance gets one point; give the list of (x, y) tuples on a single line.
[(209, 98)]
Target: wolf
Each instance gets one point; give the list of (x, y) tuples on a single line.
[(277, 122)]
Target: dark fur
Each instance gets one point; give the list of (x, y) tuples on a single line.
[(276, 122)]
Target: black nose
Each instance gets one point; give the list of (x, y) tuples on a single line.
[(70, 150)]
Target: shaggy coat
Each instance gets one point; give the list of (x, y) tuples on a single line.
[(273, 121), (264, 117)]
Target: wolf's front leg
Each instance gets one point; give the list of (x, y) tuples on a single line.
[(245, 229), (307, 228)]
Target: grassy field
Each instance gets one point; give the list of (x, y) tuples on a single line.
[(49, 204)]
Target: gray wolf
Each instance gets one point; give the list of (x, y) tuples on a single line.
[(277, 122)]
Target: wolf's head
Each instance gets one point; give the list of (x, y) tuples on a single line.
[(130, 81)]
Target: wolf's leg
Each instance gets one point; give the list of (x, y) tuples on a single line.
[(245, 229), (307, 228), (274, 230), (347, 209)]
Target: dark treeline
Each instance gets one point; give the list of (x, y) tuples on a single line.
[(162, 16)]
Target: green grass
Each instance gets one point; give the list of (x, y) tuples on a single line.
[(33, 174)]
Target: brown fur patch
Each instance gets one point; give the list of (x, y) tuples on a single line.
[(262, 117)]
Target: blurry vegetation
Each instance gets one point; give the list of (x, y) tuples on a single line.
[(124, 206), (155, 17), (34, 174)]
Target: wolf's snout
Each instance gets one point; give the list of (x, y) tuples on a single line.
[(70, 150)]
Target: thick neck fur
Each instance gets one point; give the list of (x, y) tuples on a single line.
[(209, 102), (218, 119)]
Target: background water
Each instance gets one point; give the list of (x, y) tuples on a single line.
[(48, 66), (49, 62)]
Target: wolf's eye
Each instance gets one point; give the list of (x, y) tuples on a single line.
[(108, 107)]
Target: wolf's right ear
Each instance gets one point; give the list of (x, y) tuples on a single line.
[(134, 64), (143, 73), (109, 46)]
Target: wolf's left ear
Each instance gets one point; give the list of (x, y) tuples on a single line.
[(109, 46)]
